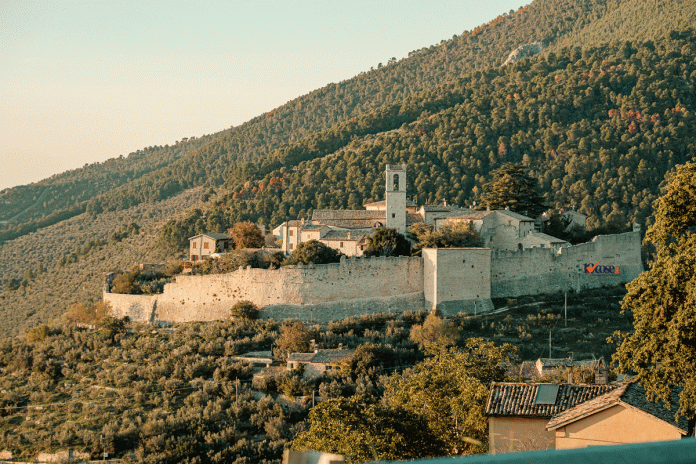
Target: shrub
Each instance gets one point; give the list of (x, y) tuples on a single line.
[(245, 310)]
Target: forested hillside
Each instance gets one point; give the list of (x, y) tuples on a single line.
[(599, 128), (157, 173)]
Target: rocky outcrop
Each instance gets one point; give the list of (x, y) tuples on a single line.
[(525, 51)]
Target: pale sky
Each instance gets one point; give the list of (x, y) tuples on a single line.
[(84, 81)]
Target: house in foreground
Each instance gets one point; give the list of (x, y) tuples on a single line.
[(526, 417)]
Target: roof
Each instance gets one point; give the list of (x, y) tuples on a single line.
[(342, 234), (472, 216), (444, 209), (384, 203), (631, 394), (514, 215), (545, 237), (322, 356), (350, 219), (413, 218), (517, 399), (213, 236)]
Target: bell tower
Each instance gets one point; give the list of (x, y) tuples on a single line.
[(396, 197)]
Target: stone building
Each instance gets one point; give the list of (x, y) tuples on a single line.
[(203, 245), (319, 362)]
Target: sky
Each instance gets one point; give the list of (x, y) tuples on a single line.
[(85, 81)]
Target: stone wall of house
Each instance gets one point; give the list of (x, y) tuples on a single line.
[(542, 270), (319, 293)]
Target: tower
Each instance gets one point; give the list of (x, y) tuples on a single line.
[(396, 197)]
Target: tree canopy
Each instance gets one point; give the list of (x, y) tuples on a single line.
[(662, 348), (314, 251), (435, 333), (512, 187), (387, 242), (247, 235), (365, 431)]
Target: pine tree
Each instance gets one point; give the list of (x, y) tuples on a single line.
[(513, 188)]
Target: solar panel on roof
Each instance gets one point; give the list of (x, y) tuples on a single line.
[(546, 394)]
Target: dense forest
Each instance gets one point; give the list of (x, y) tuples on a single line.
[(597, 128), (157, 173), (599, 119)]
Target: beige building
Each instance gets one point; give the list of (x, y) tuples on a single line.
[(525, 417), (621, 416), (203, 245), (518, 413)]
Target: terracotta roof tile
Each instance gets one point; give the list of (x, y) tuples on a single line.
[(630, 393), (517, 399)]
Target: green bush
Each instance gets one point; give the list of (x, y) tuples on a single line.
[(245, 310)]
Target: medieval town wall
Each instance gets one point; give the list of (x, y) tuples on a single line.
[(443, 279), (542, 270), (321, 292), (457, 279)]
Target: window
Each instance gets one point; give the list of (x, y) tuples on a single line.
[(291, 246), (206, 245), (393, 215), (341, 245), (395, 182), (290, 232)]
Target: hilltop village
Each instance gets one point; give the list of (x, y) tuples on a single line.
[(516, 260)]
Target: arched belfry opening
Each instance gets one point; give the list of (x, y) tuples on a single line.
[(396, 197)]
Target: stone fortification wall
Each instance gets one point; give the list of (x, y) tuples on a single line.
[(353, 287), (457, 279), (541, 270)]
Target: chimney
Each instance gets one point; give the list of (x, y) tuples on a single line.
[(348, 235), (570, 374), (340, 346)]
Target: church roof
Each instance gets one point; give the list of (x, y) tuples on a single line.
[(383, 203), (350, 219), (342, 234)]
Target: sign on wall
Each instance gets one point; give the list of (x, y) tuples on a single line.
[(600, 269)]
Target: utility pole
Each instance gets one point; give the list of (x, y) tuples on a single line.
[(566, 309)]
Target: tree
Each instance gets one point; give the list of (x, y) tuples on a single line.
[(245, 310), (247, 235), (449, 391), (513, 188), (661, 350), (435, 333), (387, 242), (294, 338), (365, 432), (315, 252), (450, 235)]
